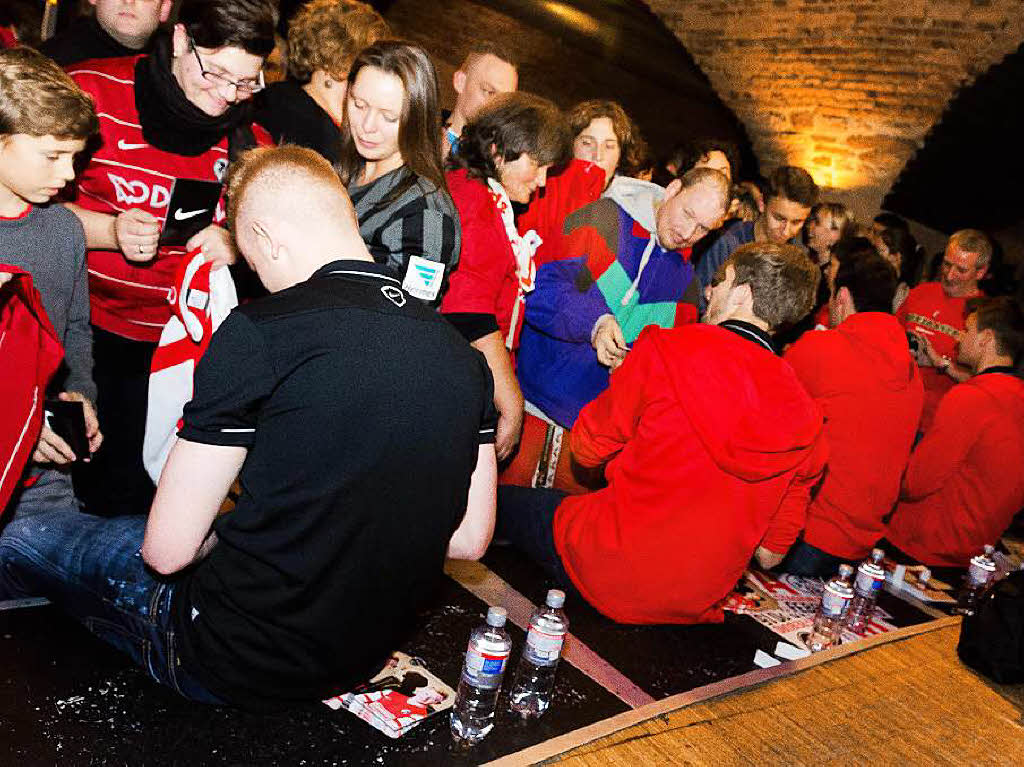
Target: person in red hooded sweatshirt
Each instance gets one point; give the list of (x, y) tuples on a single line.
[(964, 482), (863, 377), (711, 446)]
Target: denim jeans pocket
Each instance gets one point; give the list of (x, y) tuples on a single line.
[(136, 646)]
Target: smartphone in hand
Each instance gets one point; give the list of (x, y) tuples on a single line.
[(67, 421)]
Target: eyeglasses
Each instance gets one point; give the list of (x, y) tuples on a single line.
[(243, 88)]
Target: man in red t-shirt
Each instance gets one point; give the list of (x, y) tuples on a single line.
[(710, 446), (933, 314), (863, 377), (964, 482)]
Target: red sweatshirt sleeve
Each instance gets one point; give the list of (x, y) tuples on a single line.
[(791, 515), (945, 444), (484, 261), (606, 424)]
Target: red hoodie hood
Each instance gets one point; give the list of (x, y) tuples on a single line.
[(768, 425), (881, 341)]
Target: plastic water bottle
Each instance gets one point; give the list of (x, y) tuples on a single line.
[(835, 602), (535, 675), (477, 697), (979, 575), (870, 577)]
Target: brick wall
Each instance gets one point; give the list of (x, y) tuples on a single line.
[(846, 89)]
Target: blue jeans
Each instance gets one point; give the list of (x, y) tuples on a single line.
[(810, 561), (92, 568), (526, 517)]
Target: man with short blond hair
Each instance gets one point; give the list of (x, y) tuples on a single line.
[(334, 401), (488, 70)]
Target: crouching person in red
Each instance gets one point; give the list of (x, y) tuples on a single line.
[(964, 482), (712, 446)]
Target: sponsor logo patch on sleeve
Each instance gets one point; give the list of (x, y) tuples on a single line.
[(423, 278)]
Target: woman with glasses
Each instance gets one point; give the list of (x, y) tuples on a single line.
[(390, 160), (323, 39), (180, 112)]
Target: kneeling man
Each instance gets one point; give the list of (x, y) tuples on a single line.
[(360, 426), (711, 447)]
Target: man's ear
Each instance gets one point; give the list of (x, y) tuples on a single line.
[(165, 9), (179, 40), (264, 241), (741, 295), (459, 81), (846, 300), (674, 188)]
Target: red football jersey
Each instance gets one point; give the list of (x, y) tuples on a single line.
[(125, 171)]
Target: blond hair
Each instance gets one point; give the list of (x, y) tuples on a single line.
[(327, 35), (39, 99)]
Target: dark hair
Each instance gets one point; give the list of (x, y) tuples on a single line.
[(687, 154), (1004, 317), (783, 281), (892, 221), (513, 124), (901, 241), (490, 48), (794, 184), (870, 279), (245, 24), (38, 98), (630, 143), (420, 122)]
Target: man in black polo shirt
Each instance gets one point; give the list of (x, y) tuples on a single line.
[(361, 429)]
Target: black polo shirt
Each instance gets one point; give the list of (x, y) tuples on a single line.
[(362, 411)]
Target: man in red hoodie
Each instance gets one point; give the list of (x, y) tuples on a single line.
[(711, 447), (862, 376), (964, 482)]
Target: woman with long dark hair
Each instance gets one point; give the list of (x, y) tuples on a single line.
[(391, 164), (503, 158)]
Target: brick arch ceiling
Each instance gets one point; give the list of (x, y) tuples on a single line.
[(846, 89)]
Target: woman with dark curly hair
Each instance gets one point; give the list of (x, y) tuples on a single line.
[(605, 135), (503, 158)]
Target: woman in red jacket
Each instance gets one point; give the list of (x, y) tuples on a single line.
[(503, 157)]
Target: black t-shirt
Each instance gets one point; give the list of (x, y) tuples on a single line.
[(85, 39), (362, 411), (291, 116)]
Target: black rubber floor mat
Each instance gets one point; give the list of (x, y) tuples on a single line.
[(67, 698)]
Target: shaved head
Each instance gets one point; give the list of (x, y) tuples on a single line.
[(289, 200)]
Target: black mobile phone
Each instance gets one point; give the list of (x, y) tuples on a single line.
[(67, 420), (191, 208)]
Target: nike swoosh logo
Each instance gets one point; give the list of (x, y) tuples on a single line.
[(122, 144), (181, 215)]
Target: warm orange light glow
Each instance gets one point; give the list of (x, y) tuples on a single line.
[(577, 18)]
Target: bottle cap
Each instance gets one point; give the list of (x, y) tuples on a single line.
[(556, 598), (496, 616), (845, 571)]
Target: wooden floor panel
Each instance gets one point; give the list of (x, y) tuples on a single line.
[(910, 702)]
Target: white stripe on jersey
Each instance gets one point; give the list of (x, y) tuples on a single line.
[(87, 193), (132, 167), (100, 74), (118, 121)]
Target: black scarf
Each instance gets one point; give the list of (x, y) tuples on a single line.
[(171, 122)]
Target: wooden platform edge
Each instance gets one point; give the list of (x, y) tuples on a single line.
[(563, 743)]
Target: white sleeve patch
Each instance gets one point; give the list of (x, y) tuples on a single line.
[(423, 278)]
